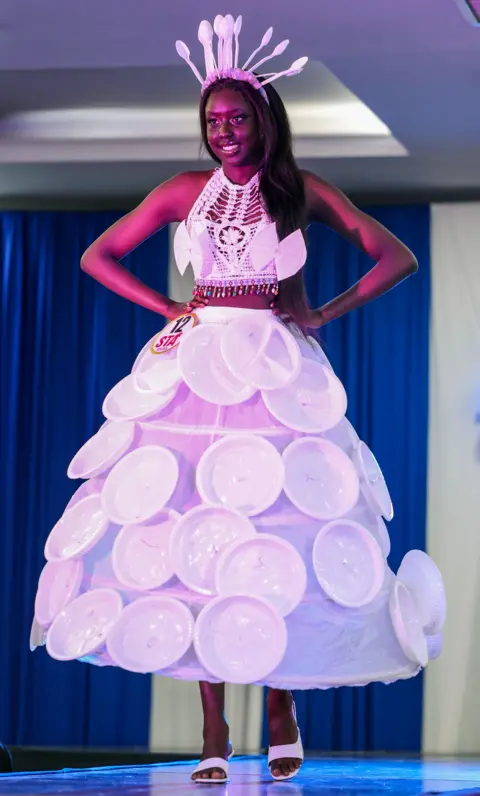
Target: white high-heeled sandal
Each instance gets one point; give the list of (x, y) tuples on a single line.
[(207, 765), (292, 750)]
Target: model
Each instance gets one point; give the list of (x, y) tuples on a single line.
[(231, 523)]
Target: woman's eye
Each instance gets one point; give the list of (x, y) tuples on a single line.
[(239, 119)]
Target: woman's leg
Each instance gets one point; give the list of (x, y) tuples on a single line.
[(282, 728), (215, 728)]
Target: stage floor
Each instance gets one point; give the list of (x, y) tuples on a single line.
[(249, 777)]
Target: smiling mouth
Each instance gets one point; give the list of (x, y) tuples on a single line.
[(230, 149)]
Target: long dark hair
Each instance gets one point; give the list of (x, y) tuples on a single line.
[(281, 183)]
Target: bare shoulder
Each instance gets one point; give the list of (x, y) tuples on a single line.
[(311, 180), (330, 206), (321, 196), (181, 192), (169, 202)]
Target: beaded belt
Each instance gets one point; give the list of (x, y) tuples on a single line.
[(221, 288)]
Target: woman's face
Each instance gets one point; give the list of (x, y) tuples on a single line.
[(232, 129)]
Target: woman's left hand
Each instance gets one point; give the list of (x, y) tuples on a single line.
[(284, 316), (313, 321)]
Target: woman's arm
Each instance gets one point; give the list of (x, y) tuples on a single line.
[(394, 261), (170, 202)]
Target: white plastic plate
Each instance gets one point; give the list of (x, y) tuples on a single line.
[(320, 479), (372, 481), (407, 625), (92, 487), (311, 349), (38, 636), (241, 471), (78, 530), (204, 370), (141, 553), (198, 539), (348, 563), (434, 646), (59, 584), (140, 485), (102, 450), (261, 351), (162, 377), (82, 627), (425, 583), (126, 402), (264, 566), (344, 435), (151, 634), (315, 402), (382, 536), (240, 639)]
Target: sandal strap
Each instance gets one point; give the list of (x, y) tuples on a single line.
[(294, 750), (211, 763)]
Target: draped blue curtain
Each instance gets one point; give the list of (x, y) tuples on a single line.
[(65, 341), (380, 352)]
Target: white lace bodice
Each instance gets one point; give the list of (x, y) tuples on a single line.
[(231, 241)]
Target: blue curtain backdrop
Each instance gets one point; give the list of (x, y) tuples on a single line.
[(65, 341), (381, 354)]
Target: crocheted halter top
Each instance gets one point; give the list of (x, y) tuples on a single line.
[(232, 215), (232, 242)]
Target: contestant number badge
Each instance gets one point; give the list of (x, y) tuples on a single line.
[(172, 333)]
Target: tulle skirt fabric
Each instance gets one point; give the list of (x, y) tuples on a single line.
[(230, 524)]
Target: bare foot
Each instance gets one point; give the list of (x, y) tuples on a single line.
[(282, 729), (215, 744)]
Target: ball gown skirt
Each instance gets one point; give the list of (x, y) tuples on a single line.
[(230, 524)]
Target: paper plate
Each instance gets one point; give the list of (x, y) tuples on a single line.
[(315, 402), (78, 530), (434, 646), (204, 370), (58, 585), (102, 451), (82, 627), (259, 350), (198, 539), (241, 471), (141, 557), (372, 481), (151, 634), (348, 563), (265, 566), (240, 639), (140, 485), (320, 479), (424, 581), (126, 402), (407, 625)]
